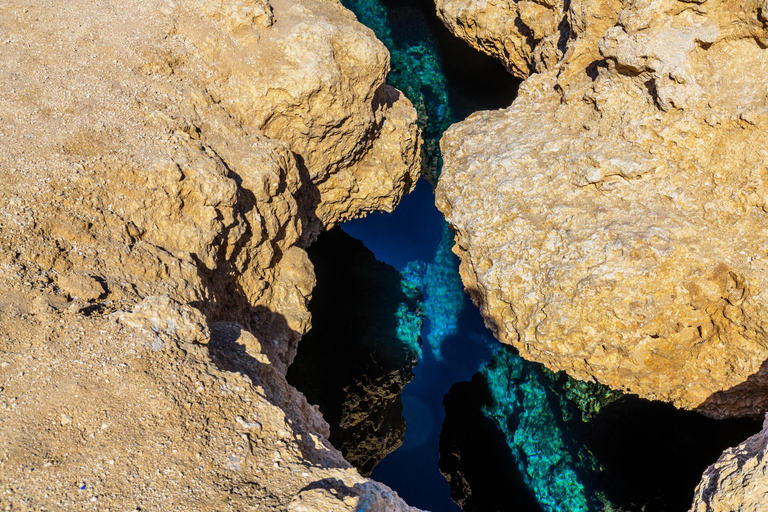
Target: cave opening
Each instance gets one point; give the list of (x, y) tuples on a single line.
[(417, 391)]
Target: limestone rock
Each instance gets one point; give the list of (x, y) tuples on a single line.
[(527, 36), (168, 320), (612, 221), (81, 286), (738, 480), (164, 165)]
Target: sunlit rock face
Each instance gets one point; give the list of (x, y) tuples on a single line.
[(526, 36), (737, 480), (612, 222), (361, 350), (164, 165)]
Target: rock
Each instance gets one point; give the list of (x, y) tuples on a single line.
[(611, 221), (526, 36), (185, 153), (168, 320), (737, 481), (80, 286)]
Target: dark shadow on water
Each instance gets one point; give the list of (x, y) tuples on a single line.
[(353, 364), (655, 454), (474, 456), (413, 470), (634, 453)]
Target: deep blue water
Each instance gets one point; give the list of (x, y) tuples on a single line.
[(415, 232), (517, 437)]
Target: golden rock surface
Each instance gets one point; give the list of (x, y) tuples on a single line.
[(613, 221), (163, 165), (524, 35)]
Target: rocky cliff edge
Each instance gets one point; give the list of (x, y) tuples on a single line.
[(164, 164)]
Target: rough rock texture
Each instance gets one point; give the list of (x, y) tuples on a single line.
[(163, 165), (737, 480), (527, 36), (612, 222)]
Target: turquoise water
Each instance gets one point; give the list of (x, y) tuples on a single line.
[(417, 241), (517, 437)]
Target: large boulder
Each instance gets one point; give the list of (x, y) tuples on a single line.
[(612, 222), (164, 165)]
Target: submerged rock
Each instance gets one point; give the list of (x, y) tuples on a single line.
[(514, 428), (612, 222)]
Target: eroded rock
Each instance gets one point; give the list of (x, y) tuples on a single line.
[(611, 222), (737, 481), (164, 164), (526, 36)]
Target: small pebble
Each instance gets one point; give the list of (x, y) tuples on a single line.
[(66, 419)]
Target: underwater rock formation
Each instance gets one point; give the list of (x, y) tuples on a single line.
[(361, 350), (612, 222), (164, 164), (515, 427)]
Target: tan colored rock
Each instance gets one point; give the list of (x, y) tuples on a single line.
[(526, 36), (738, 480), (167, 320), (81, 286), (612, 222), (164, 163)]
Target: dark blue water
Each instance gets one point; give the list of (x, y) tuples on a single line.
[(457, 344), (545, 442)]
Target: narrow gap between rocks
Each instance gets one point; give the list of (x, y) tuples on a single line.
[(417, 391)]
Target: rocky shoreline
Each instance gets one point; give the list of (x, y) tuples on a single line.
[(167, 163)]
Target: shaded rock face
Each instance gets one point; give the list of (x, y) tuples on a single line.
[(611, 223), (737, 480), (360, 353), (164, 164), (527, 36), (514, 428)]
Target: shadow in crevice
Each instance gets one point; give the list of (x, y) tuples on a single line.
[(234, 349), (750, 398), (631, 453), (355, 362), (334, 485)]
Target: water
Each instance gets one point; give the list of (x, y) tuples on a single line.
[(456, 343), (516, 436)]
